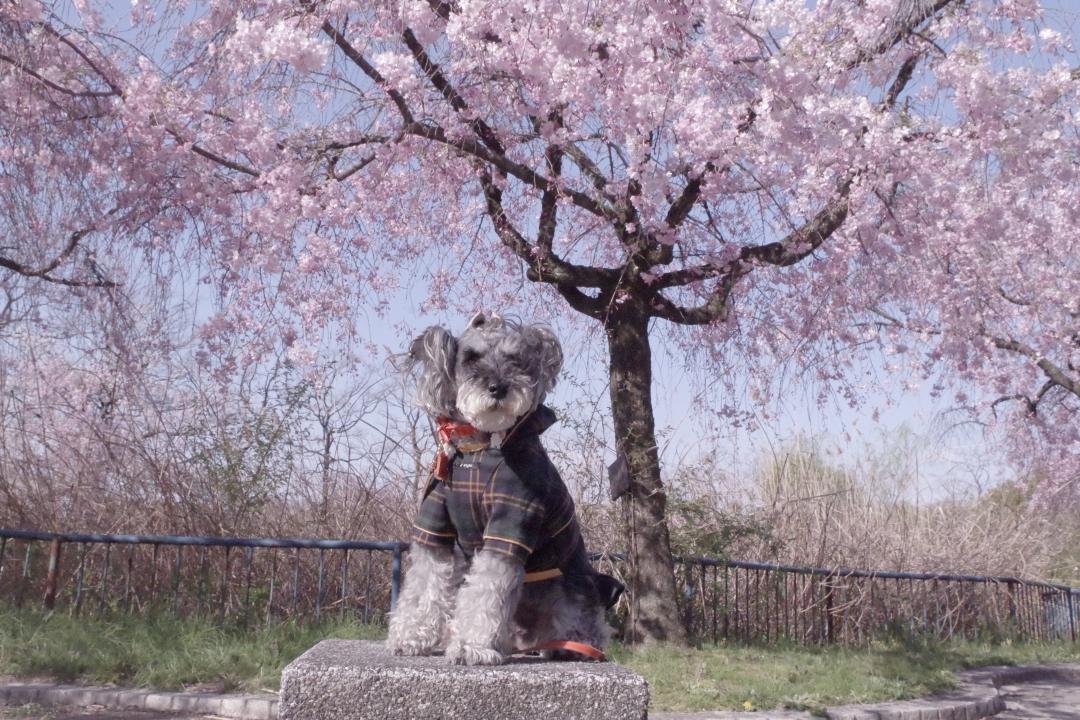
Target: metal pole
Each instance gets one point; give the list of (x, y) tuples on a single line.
[(395, 577), (1072, 613), (51, 578), (319, 585)]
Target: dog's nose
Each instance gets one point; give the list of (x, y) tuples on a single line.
[(497, 390)]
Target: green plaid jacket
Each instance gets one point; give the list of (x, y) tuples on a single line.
[(509, 500)]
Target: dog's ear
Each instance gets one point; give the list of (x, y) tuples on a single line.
[(484, 318), (550, 355), (434, 352), (477, 320)]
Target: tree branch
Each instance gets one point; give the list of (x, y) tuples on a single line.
[(540, 267), (368, 69), (214, 157), (1054, 373), (903, 77), (793, 248), (438, 79), (86, 58), (713, 310), (545, 235), (56, 86), (509, 167), (43, 273), (921, 11)]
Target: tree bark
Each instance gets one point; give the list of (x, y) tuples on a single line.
[(653, 614)]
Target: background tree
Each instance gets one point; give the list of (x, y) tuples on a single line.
[(758, 177)]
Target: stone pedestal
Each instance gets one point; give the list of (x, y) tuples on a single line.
[(361, 680)]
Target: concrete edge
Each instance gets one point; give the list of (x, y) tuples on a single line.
[(239, 707), (976, 697), (968, 702)]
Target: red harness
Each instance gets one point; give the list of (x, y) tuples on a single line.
[(582, 649)]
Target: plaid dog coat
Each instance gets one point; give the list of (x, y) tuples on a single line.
[(510, 500)]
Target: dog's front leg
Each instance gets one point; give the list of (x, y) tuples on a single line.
[(480, 629), (418, 624)]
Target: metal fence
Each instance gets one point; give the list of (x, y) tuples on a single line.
[(244, 579), (759, 602), (267, 580)]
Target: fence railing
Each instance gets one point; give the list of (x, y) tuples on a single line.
[(243, 579), (761, 602), (266, 580)]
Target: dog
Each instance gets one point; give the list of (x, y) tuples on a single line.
[(495, 497)]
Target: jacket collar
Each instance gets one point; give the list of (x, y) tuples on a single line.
[(463, 437)]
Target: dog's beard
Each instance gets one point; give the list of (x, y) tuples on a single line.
[(488, 414)]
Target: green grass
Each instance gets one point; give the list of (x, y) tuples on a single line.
[(798, 678), (161, 651), (169, 653)]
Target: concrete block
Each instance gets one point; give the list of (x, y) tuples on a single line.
[(24, 694), (159, 701), (850, 712), (130, 699), (195, 702), (361, 680), (70, 696), (260, 709), (232, 706)]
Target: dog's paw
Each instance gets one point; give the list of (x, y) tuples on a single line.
[(465, 654), (413, 647), (417, 642)]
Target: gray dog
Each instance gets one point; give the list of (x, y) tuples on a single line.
[(495, 494)]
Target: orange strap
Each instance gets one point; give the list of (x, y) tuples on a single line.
[(542, 575), (580, 648)]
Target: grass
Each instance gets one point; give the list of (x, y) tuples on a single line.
[(160, 651), (169, 653), (799, 678)]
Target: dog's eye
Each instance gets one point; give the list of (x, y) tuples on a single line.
[(470, 356)]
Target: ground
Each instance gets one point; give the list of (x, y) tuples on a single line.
[(36, 712), (1044, 699)]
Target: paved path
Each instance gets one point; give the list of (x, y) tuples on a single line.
[(36, 712), (1056, 699), (1046, 693)]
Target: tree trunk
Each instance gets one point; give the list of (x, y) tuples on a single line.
[(654, 616)]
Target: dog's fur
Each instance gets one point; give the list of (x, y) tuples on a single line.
[(497, 372)]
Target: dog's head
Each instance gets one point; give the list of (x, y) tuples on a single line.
[(495, 372)]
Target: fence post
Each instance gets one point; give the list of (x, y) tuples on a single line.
[(830, 625), (1072, 613), (395, 577), (51, 577)]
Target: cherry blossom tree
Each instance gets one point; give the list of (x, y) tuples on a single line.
[(749, 181)]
